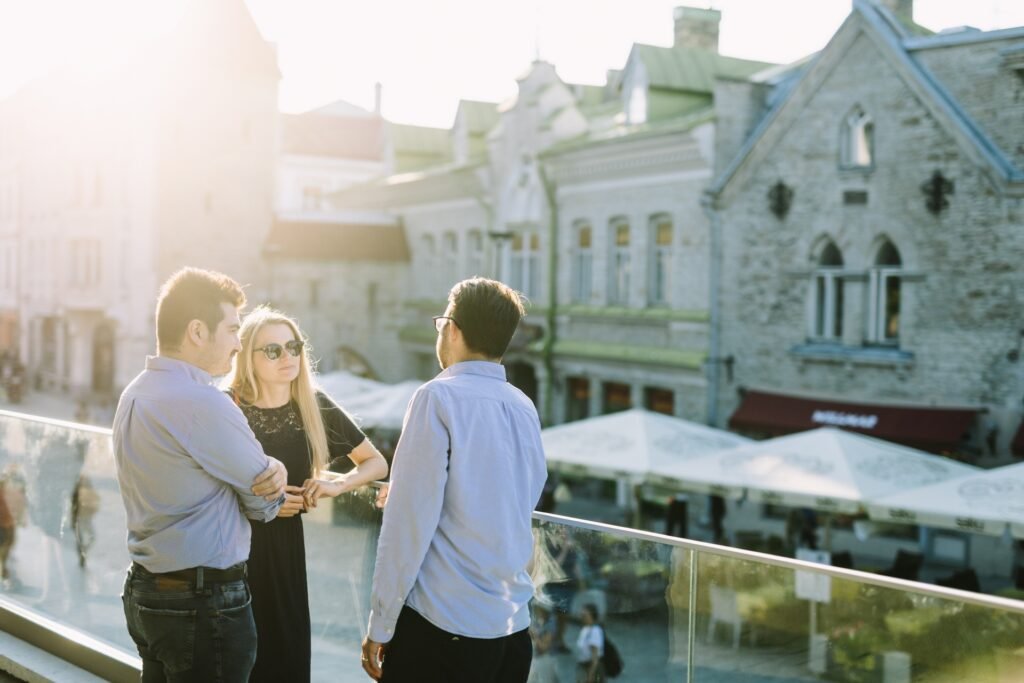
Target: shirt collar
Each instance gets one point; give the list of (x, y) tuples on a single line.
[(178, 367), (476, 367)]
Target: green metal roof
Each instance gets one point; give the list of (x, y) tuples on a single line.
[(417, 147), (419, 139), (692, 69), (677, 124), (480, 116)]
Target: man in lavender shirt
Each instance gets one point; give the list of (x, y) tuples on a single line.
[(451, 592), (190, 472)]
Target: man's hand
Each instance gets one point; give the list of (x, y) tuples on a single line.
[(270, 483), (373, 656), (382, 495), (294, 503)]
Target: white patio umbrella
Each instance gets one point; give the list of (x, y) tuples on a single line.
[(825, 469), (632, 444), (985, 502), (343, 386), (383, 408)]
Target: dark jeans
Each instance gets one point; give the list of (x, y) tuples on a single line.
[(188, 632), (422, 653)]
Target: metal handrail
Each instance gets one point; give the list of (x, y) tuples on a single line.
[(980, 599), (70, 644)]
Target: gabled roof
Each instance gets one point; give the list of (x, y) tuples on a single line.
[(336, 241), (690, 69), (895, 41), (329, 135), (419, 140)]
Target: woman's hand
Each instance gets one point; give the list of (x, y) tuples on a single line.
[(293, 502), (314, 489)]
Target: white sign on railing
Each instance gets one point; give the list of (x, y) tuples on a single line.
[(812, 586)]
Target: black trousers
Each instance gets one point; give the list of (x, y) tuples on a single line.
[(420, 652)]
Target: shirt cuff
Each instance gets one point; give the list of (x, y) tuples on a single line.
[(379, 629)]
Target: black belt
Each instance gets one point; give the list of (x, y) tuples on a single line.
[(208, 575)]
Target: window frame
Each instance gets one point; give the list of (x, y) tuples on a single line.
[(582, 274), (660, 258), (620, 261)]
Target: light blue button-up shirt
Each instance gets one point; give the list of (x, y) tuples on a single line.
[(186, 459), (456, 539)]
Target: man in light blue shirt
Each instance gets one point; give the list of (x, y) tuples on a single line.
[(451, 590), (190, 472)]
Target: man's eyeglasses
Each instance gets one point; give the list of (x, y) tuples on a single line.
[(439, 321), (274, 351)]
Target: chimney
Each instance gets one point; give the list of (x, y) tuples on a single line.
[(377, 88), (903, 9), (697, 28)]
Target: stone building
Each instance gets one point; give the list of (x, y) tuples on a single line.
[(867, 216), (586, 199), (112, 178)]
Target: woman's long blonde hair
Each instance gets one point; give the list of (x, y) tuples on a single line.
[(246, 388)]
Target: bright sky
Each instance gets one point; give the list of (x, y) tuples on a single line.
[(428, 55)]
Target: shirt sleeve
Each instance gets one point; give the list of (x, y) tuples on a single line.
[(412, 512), (225, 447)]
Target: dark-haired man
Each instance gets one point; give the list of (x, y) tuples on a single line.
[(451, 589), (190, 472)]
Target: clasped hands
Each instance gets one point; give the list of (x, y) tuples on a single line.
[(272, 483)]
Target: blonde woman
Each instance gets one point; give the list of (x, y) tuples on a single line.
[(273, 384)]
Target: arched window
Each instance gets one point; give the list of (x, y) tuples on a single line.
[(886, 280), (660, 259), (620, 266), (827, 294), (857, 144), (582, 262)]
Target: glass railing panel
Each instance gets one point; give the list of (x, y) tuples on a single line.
[(639, 587), (749, 621), (341, 545), (758, 621), (751, 618), (62, 523)]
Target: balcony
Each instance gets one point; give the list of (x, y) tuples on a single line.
[(678, 610)]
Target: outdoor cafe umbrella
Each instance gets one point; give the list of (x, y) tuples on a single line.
[(630, 444), (985, 502), (384, 407), (343, 386), (826, 469)]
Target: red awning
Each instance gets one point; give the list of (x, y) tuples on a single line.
[(923, 427)]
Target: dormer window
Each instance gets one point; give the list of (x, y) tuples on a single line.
[(857, 145)]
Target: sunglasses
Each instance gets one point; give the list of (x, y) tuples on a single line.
[(274, 351)]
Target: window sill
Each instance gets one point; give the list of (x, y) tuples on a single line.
[(860, 355)]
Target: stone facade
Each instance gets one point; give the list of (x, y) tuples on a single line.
[(956, 318), (114, 181)]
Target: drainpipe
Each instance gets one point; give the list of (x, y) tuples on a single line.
[(547, 350), (707, 203)]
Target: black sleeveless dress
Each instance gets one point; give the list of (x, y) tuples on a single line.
[(277, 557)]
